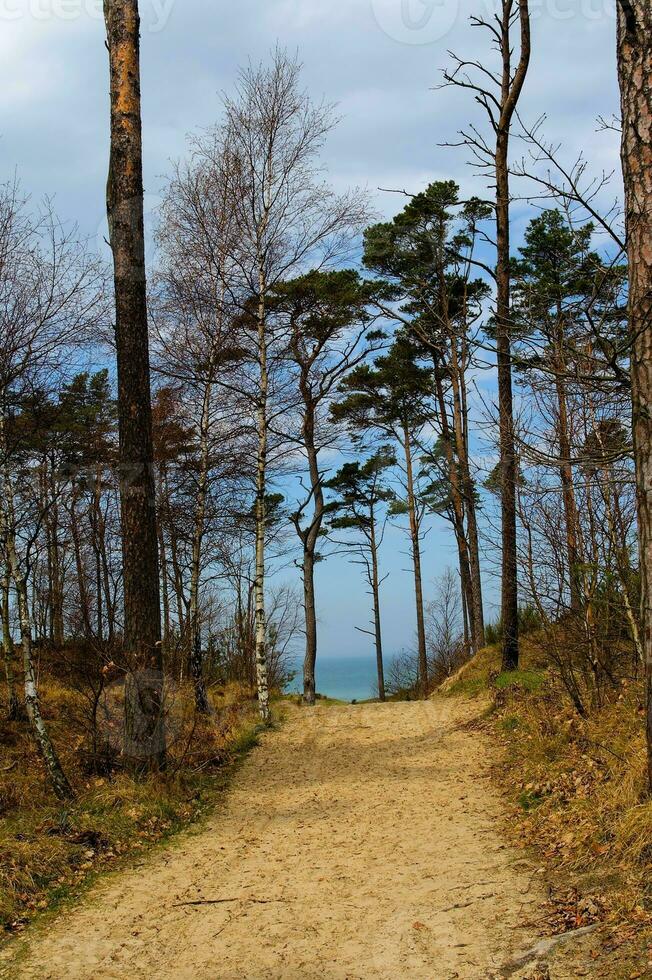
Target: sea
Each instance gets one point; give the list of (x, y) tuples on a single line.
[(344, 678)]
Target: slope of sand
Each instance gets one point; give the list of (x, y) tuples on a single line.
[(356, 842)]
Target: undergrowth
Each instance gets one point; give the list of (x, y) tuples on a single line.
[(50, 850), (577, 790)]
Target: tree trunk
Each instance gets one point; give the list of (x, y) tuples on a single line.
[(310, 660), (310, 537), (196, 654), (566, 476), (145, 732), (84, 603), (375, 588), (8, 652), (416, 561), (165, 587), (261, 517), (510, 94), (457, 513), (41, 736), (476, 609), (56, 585), (635, 76)]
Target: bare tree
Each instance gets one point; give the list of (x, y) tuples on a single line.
[(287, 220), (50, 295), (499, 94)]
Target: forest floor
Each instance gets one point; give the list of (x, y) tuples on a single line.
[(355, 842)]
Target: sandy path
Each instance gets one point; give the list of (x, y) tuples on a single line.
[(356, 842)]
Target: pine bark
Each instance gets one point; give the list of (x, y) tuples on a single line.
[(375, 589), (416, 563), (635, 77), (310, 538), (142, 615)]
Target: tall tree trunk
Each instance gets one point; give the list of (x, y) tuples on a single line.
[(511, 91), (109, 603), (177, 577), (96, 522), (56, 584), (635, 77), (310, 538), (145, 731), (571, 516), (476, 609), (261, 514), (196, 654), (165, 585), (310, 658), (416, 562), (84, 602), (457, 513), (375, 589)]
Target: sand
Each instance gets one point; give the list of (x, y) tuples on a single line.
[(355, 842)]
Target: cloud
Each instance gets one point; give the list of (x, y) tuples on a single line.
[(380, 60)]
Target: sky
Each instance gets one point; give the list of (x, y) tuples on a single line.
[(380, 61)]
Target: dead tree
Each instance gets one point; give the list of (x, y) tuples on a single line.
[(499, 92)]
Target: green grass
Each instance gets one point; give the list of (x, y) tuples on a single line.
[(468, 687), (528, 680)]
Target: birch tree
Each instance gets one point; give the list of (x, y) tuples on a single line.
[(287, 220), (50, 298), (197, 347)]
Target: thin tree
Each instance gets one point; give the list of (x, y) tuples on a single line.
[(361, 494), (328, 318), (500, 97), (287, 220), (392, 400), (427, 253)]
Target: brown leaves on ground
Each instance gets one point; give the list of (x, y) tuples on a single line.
[(567, 910), (48, 851)]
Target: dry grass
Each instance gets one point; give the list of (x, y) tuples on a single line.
[(48, 850), (577, 793)]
